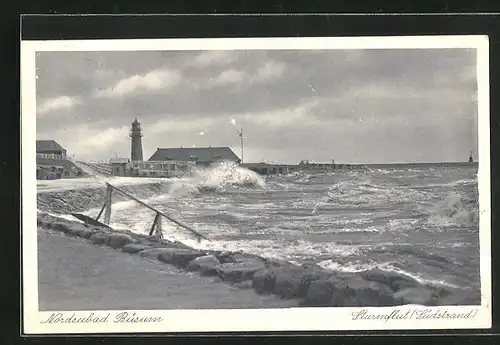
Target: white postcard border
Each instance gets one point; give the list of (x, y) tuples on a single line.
[(246, 320)]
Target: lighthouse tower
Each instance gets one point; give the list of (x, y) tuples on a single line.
[(136, 135)]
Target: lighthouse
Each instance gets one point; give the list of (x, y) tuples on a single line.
[(136, 135)]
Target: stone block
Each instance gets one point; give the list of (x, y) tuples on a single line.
[(99, 238), (206, 265), (394, 280), (183, 257), (459, 297), (116, 240), (60, 226), (135, 247), (239, 271), (167, 254), (420, 296), (80, 230), (357, 292), (294, 283), (263, 281), (154, 253), (244, 285), (320, 292)]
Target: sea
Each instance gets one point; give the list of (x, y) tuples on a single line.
[(422, 222)]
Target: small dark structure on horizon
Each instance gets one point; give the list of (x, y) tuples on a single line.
[(201, 155)]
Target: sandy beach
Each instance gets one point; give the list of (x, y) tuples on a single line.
[(77, 275)]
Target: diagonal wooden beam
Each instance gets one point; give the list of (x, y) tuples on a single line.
[(155, 210)]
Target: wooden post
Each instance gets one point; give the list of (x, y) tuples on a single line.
[(107, 212), (158, 222), (155, 223), (159, 231), (102, 209)]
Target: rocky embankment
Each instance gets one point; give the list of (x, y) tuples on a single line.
[(311, 284)]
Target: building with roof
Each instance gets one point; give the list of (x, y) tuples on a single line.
[(50, 149), (52, 162), (120, 166), (199, 155), (161, 168)]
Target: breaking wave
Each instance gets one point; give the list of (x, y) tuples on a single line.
[(455, 210), (436, 207), (218, 178)]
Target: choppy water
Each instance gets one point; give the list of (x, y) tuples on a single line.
[(422, 222)]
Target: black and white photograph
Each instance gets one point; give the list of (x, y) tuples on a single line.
[(284, 182)]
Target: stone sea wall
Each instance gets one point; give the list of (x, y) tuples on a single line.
[(311, 284), (80, 200)]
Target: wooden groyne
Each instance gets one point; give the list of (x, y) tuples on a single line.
[(156, 227)]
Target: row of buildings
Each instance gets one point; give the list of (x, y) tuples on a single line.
[(52, 161), (174, 162), (169, 162)]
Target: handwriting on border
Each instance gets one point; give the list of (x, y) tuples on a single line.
[(122, 317), (412, 314)]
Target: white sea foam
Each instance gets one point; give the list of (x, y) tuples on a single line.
[(355, 267), (454, 211), (61, 216), (217, 178)]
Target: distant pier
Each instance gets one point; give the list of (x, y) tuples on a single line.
[(284, 169)]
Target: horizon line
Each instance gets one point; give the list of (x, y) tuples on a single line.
[(379, 163)]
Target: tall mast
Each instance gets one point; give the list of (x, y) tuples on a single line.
[(241, 141)]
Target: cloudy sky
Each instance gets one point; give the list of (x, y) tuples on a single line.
[(356, 106)]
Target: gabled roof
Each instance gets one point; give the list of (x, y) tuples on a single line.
[(48, 145), (198, 154)]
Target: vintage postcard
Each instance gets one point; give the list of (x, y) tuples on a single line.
[(277, 184)]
